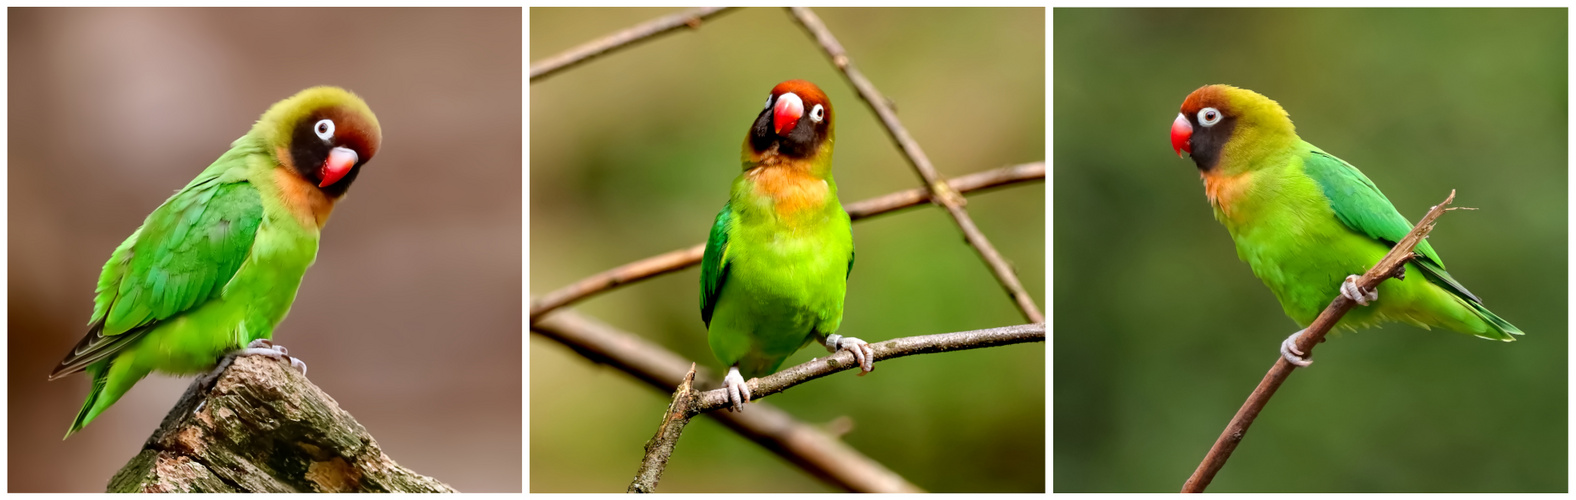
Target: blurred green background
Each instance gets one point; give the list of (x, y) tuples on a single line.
[(1161, 333), (632, 155)]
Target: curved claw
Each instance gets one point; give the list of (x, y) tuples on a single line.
[(266, 347), (1349, 290), (864, 355), (738, 390), (1291, 353)]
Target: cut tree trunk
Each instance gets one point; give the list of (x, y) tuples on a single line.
[(262, 427)]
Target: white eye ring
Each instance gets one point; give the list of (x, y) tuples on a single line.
[(324, 129), (768, 101), (817, 113), (1208, 116)]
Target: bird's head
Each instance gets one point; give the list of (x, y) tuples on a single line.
[(796, 121), (1221, 120), (324, 135)]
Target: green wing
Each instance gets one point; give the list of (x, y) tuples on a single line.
[(714, 263), (184, 254), (1360, 206)]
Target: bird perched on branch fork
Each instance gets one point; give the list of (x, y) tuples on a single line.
[(216, 267), (1308, 223), (777, 261)]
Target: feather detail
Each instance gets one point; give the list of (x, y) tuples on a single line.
[(1225, 191), (302, 199), (794, 185), (792, 190)]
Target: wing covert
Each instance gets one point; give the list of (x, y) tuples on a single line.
[(713, 264), (1359, 205), (184, 254)]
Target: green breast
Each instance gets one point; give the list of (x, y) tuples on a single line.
[(1295, 244), (785, 282)]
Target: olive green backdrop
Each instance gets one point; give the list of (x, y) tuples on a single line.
[(1160, 332), (632, 155)]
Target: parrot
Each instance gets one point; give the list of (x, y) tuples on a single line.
[(212, 271), (779, 254), (1308, 223)]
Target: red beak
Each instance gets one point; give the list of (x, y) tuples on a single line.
[(787, 112), (340, 161), (1181, 135)]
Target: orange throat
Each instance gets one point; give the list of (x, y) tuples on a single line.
[(1225, 191), (301, 198), (791, 187)]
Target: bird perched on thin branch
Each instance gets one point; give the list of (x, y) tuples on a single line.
[(216, 267), (1308, 223), (778, 259)]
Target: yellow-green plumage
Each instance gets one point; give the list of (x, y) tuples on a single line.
[(1304, 220), (778, 258), (217, 265)]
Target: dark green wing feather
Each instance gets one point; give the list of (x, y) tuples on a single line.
[(714, 263), (184, 254), (1360, 206)]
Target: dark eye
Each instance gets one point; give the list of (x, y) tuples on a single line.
[(1208, 116), (817, 113), (324, 129)]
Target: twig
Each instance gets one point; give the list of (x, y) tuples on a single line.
[(660, 448), (690, 18), (940, 191), (687, 403), (1387, 267), (261, 426), (686, 257), (807, 446), (895, 348)]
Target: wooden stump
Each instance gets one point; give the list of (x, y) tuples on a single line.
[(263, 427)]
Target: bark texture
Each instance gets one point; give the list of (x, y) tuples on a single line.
[(261, 426)]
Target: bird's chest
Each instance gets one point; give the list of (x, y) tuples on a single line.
[(790, 265), (268, 280), (1302, 252)]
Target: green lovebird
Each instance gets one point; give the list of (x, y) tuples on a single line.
[(1309, 223), (216, 267), (777, 262)]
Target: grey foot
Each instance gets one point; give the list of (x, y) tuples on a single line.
[(863, 353), (265, 347), (738, 391), (1350, 291), (1291, 353)]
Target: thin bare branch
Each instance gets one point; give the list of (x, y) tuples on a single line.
[(939, 190), (890, 349), (688, 403), (661, 446), (689, 18), (680, 259), (1386, 268), (806, 445)]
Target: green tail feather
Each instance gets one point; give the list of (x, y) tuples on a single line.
[(100, 374), (1504, 329)]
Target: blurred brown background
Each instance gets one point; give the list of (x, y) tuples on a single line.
[(411, 317)]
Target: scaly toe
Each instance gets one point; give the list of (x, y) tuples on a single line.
[(1349, 290), (1291, 353), (864, 355), (265, 347), (738, 390)]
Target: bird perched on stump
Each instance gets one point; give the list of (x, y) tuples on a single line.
[(215, 268)]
